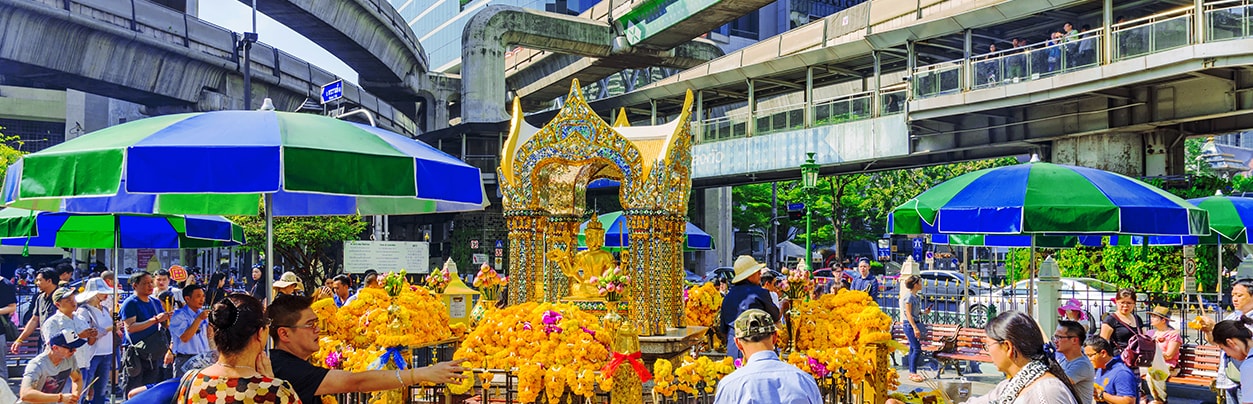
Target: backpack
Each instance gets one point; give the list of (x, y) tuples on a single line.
[(1140, 348)]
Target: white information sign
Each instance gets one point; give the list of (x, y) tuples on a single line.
[(387, 256)]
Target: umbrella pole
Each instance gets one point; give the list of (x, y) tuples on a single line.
[(117, 271), (1218, 289), (1031, 279), (269, 244)]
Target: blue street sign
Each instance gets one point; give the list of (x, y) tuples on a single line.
[(332, 91), (500, 244), (917, 249), (795, 206), (956, 262), (885, 252)]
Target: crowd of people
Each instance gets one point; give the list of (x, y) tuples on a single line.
[(183, 338)]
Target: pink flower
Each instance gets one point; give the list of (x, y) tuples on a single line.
[(626, 279), (333, 359), (594, 279)]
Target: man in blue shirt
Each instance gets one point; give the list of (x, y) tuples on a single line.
[(862, 279), (143, 316), (189, 328), (341, 285), (745, 293), (1115, 382), (764, 378)]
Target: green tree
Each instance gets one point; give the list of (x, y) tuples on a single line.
[(8, 154), (306, 244), (849, 206)]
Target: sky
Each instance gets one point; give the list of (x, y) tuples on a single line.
[(237, 16)]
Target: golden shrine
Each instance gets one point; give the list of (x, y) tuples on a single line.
[(544, 175)]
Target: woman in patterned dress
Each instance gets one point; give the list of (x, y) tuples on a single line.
[(242, 374)]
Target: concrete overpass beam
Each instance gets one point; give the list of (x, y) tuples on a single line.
[(490, 31)]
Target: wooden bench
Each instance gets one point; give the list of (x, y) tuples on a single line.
[(1198, 366), (967, 347), (939, 338)]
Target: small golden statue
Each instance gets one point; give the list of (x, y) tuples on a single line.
[(592, 262)]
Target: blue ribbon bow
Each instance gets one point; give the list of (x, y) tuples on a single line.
[(394, 354)]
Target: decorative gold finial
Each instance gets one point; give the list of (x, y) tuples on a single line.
[(594, 223)]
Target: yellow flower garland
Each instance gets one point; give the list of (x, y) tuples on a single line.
[(700, 375), (836, 331), (702, 305), (550, 357)]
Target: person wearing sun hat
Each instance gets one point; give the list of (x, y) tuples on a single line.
[(745, 293), (1073, 311), (288, 284), (47, 374), (1166, 361)]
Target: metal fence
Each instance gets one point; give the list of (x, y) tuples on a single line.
[(975, 309), (419, 357), (836, 388)]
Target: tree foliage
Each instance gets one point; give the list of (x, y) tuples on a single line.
[(305, 244), (9, 154), (844, 207)]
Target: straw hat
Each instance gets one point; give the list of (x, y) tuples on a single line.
[(1161, 311), (745, 266)]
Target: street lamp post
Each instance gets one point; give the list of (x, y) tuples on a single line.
[(809, 181)]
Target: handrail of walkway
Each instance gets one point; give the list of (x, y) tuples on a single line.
[(1223, 20)]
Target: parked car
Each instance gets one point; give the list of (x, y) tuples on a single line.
[(941, 289), (1096, 296)]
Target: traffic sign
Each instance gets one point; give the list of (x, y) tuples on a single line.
[(956, 262), (500, 244), (795, 206), (500, 252), (498, 261), (332, 91), (1189, 267), (930, 256), (474, 244)]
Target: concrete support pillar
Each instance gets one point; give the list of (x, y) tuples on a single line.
[(751, 125), (809, 97), (85, 113), (716, 215), (1122, 153), (1154, 153), (1046, 305)]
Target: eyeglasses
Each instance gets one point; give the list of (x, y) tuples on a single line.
[(987, 346), (313, 327), (1062, 337)]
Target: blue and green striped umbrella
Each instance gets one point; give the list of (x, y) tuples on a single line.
[(20, 227), (223, 162), (1047, 199), (618, 235)]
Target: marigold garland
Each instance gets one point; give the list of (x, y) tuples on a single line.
[(701, 305), (700, 375), (844, 330), (551, 347)]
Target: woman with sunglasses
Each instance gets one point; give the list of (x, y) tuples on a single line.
[(1017, 347), (242, 373)]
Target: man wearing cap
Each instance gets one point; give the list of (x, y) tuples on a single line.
[(745, 293), (64, 319), (101, 352), (862, 280), (46, 281), (47, 373), (764, 378), (189, 328), (287, 284)]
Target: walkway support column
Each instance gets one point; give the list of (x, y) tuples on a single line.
[(750, 127), (809, 97)]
